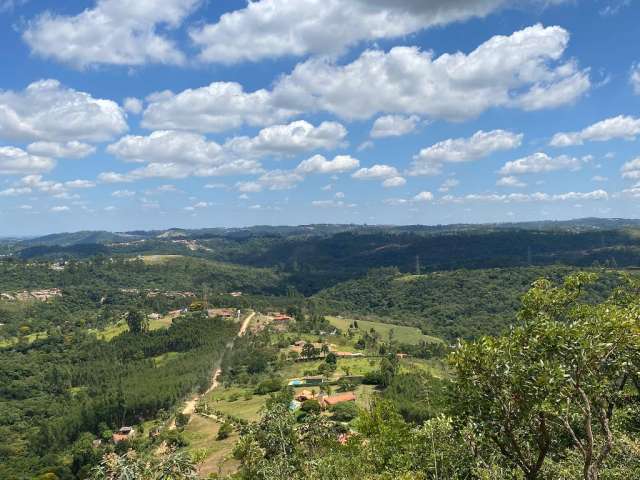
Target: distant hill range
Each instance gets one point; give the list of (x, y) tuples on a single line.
[(317, 255), (105, 237)]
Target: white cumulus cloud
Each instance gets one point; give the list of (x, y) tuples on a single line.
[(423, 197), (217, 107), (174, 154), (72, 149), (455, 150), (58, 209), (319, 164), (394, 182), (539, 163), (47, 111), (167, 146), (621, 127), (280, 179), (79, 184), (15, 161), (294, 138), (394, 125), (275, 28), (376, 172), (523, 70), (510, 181), (631, 169), (504, 71), (116, 32), (133, 105)]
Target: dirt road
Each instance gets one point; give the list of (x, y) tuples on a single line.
[(190, 405)]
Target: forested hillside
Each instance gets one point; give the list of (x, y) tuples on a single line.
[(317, 258), (451, 304), (164, 272)]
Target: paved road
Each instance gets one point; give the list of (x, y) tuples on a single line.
[(190, 405)]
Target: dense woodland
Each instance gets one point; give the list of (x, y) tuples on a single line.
[(55, 389), (63, 384)]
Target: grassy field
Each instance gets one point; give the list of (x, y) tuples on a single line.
[(201, 435), (401, 333), (235, 401), (356, 366), (436, 368)]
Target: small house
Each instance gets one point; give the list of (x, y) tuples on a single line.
[(123, 435), (336, 399)]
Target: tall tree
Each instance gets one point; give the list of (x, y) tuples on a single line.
[(562, 371), (137, 321)]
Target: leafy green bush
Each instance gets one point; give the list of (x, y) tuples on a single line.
[(344, 412), (272, 384), (224, 431), (311, 406)]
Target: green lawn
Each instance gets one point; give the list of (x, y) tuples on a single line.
[(221, 399), (401, 333)]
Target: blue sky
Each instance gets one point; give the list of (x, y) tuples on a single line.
[(123, 115)]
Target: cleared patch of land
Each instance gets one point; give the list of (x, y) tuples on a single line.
[(117, 328), (159, 259), (401, 333)]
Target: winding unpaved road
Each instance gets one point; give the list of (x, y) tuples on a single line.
[(190, 405)]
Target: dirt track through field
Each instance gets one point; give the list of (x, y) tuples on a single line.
[(190, 405)]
